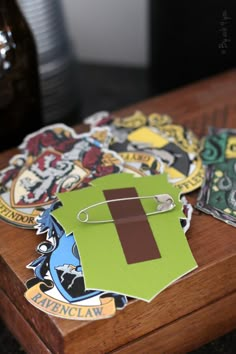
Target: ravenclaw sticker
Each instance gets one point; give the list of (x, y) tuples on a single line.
[(58, 286)]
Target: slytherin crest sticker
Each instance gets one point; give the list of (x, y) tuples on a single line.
[(218, 193)]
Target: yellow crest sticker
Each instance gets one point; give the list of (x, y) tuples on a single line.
[(177, 149)]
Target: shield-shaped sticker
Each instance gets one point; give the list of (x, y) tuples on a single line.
[(132, 254), (182, 162), (37, 184), (58, 286), (66, 271)]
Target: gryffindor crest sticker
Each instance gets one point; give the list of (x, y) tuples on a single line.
[(53, 160), (37, 184)]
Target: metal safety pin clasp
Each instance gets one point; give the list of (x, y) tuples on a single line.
[(165, 203)]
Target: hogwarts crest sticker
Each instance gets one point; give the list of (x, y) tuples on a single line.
[(218, 193), (53, 160), (58, 284), (175, 148), (37, 183)]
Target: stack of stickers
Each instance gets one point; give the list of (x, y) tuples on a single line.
[(218, 193), (153, 144), (110, 203)]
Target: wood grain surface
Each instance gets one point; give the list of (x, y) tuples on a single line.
[(189, 331), (24, 333), (199, 301)]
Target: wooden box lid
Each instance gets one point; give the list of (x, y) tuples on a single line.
[(192, 311)]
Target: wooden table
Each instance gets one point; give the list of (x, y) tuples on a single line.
[(194, 310)]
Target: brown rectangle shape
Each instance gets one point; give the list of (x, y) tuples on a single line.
[(134, 231)]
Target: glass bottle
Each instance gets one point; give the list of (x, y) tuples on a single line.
[(20, 108)]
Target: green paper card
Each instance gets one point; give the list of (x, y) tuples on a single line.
[(136, 255)]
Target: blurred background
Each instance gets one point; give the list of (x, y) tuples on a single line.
[(103, 55), (107, 54)]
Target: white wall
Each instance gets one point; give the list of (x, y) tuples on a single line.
[(109, 31)]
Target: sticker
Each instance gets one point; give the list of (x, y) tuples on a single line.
[(139, 119), (89, 149), (180, 157), (121, 127), (105, 265), (183, 137), (188, 212), (176, 147), (218, 193), (57, 136), (58, 287), (98, 119), (143, 162), (37, 183), (159, 120), (53, 159)]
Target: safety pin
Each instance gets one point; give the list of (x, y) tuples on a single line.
[(165, 200)]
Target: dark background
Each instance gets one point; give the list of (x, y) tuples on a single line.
[(190, 40)]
